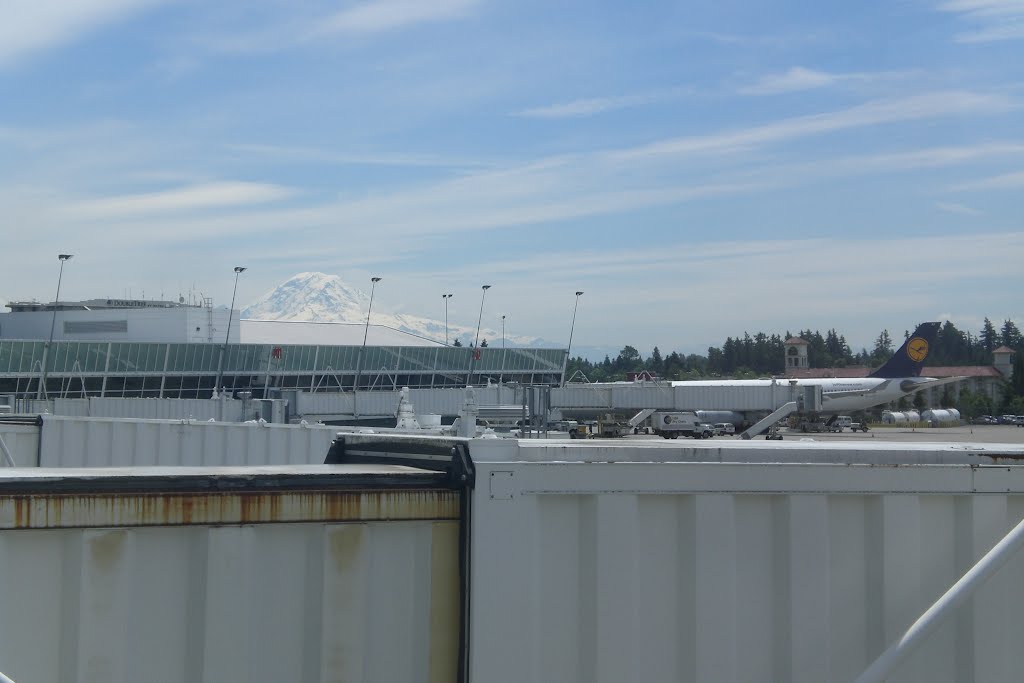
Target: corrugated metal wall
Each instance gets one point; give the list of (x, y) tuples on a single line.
[(227, 409), (99, 442), (712, 572), (306, 601), (22, 441)]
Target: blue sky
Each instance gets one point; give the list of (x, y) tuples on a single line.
[(698, 169)]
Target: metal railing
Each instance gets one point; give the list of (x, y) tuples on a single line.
[(945, 606)]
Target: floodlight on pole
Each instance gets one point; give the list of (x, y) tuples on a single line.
[(481, 317), (227, 335), (476, 346), (446, 297), (572, 327), (41, 389), (366, 331), (501, 376)]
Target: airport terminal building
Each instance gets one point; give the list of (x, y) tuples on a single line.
[(159, 349)]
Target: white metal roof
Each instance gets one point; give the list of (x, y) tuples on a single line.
[(326, 334)]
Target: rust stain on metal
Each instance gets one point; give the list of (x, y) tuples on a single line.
[(346, 547), (999, 457), (106, 549), (38, 511)]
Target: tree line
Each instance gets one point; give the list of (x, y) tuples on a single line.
[(762, 354)]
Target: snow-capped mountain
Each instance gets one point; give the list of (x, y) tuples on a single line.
[(318, 297)]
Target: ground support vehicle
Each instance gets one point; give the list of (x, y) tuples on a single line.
[(672, 425)]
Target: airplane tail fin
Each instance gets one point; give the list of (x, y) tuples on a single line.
[(909, 359)]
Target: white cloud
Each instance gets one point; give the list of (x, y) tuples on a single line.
[(319, 155), (599, 105), (27, 26), (545, 190), (798, 78), (1006, 181), (912, 108), (993, 20), (960, 209), (207, 196), (385, 15), (1009, 31)]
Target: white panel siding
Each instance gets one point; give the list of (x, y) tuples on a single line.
[(99, 442), (22, 441), (303, 602), (620, 571)]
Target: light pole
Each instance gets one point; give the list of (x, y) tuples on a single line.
[(501, 377), (227, 335), (41, 390), (446, 297), (480, 319), (571, 328), (476, 346), (366, 331)]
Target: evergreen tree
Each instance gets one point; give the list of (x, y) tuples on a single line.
[(919, 403), (483, 343), (989, 339), (456, 343), (947, 400), (883, 348), (1017, 376), (1010, 335), (655, 363)]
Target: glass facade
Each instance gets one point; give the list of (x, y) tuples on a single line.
[(76, 369)]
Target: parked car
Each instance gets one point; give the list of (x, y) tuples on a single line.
[(1019, 421), (984, 420), (724, 429), (1007, 419)]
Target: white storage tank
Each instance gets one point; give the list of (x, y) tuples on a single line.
[(941, 416)]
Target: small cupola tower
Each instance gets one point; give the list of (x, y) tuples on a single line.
[(796, 354), (1002, 359)]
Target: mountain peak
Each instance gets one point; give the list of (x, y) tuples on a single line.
[(320, 297), (310, 297)]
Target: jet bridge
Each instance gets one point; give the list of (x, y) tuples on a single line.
[(587, 401)]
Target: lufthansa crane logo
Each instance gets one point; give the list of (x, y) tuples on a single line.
[(917, 349)]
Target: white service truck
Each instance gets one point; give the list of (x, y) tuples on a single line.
[(672, 425)]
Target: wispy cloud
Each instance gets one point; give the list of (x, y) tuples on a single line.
[(386, 15), (207, 196), (891, 162), (799, 78), (28, 26), (600, 105), (993, 20), (913, 108), (959, 209), (309, 155), (1006, 181)]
